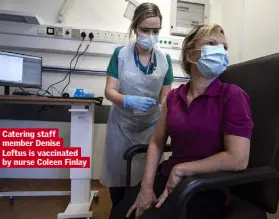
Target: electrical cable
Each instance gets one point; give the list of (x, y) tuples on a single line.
[(70, 73), (28, 92), (91, 36), (56, 91), (52, 85), (83, 35)]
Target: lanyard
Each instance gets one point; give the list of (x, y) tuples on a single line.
[(138, 60)]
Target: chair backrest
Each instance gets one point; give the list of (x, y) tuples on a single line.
[(260, 79)]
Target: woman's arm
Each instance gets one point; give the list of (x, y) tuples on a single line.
[(111, 92), (155, 150), (146, 196), (237, 128), (164, 92), (234, 158)]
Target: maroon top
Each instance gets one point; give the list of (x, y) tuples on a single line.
[(197, 131)]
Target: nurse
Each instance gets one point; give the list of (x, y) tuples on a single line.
[(139, 77)]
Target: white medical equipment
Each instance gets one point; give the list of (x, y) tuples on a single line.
[(19, 17), (187, 14), (130, 9)]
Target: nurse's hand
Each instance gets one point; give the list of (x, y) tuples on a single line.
[(144, 201), (139, 103)]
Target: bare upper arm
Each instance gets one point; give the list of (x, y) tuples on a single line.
[(160, 135), (111, 82), (165, 90), (238, 147)]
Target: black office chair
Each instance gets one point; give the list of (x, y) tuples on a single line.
[(255, 191)]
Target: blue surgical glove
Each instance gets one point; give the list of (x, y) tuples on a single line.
[(139, 103)]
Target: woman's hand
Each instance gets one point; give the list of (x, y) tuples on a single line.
[(144, 201), (174, 178)]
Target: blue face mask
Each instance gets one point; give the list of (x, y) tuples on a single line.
[(213, 62), (147, 42)]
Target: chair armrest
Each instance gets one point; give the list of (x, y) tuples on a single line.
[(139, 149), (130, 153), (196, 183)]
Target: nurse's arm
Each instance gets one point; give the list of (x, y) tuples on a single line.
[(164, 92), (155, 150), (111, 92), (234, 158)]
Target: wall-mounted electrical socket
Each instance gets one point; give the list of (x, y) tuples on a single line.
[(76, 34), (106, 36), (112, 37), (165, 42), (126, 37), (118, 37), (177, 44), (58, 31), (103, 36), (133, 37), (97, 35)]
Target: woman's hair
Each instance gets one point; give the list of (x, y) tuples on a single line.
[(193, 37), (143, 11)]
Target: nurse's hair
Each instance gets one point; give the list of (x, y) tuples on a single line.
[(193, 37), (143, 11)]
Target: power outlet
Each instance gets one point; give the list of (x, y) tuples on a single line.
[(106, 36), (118, 37), (126, 37), (76, 34), (165, 43), (97, 35), (58, 31), (112, 37), (177, 44), (133, 37)]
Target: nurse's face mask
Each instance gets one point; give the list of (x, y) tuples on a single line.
[(147, 37)]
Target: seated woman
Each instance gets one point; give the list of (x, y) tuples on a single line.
[(210, 126)]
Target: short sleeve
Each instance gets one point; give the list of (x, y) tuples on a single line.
[(169, 76), (112, 68), (237, 115)]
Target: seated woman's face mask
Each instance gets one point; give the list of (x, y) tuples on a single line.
[(213, 61)]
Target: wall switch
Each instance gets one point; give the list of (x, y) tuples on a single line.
[(41, 30), (50, 30), (177, 44)]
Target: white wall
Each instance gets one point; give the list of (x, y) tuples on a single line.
[(251, 27), (262, 28), (90, 14)]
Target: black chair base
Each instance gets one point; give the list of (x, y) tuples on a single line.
[(240, 209)]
